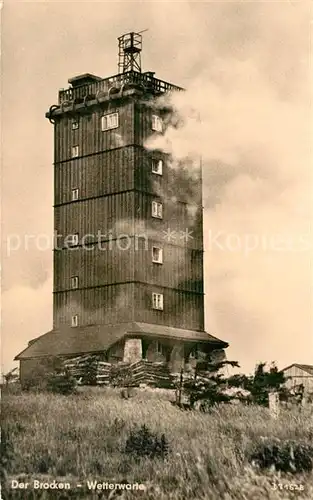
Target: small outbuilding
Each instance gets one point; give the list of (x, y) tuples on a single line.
[(299, 375)]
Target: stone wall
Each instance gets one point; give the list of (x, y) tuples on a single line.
[(132, 350)]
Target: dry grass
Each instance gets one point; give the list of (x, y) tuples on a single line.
[(83, 437)]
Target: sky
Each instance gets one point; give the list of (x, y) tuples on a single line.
[(246, 68)]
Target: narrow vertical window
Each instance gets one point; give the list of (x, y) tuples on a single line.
[(157, 209), (74, 282), (157, 301), (75, 151), (75, 320), (159, 348), (75, 124), (157, 123), (157, 255), (75, 193), (157, 166)]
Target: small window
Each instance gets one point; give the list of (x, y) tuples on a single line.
[(157, 301), (157, 123), (75, 124), (71, 240), (75, 320), (75, 194), (160, 348), (157, 209), (109, 121), (157, 166), (74, 282), (157, 255), (75, 151)]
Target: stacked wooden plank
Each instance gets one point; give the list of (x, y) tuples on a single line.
[(150, 373), (141, 372), (89, 369), (77, 365), (103, 373), (120, 375), (94, 370)]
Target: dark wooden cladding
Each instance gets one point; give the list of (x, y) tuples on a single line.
[(178, 219), (181, 268), (143, 122), (103, 173), (179, 180), (181, 309), (143, 176), (113, 215), (129, 259), (113, 262), (128, 302), (109, 215), (89, 137), (104, 305), (113, 218)]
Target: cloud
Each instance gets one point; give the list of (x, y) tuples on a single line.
[(246, 113)]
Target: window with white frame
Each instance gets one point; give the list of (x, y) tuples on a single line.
[(71, 240), (157, 255), (157, 209), (74, 282), (75, 151), (109, 121), (157, 166), (157, 123), (75, 124), (75, 320), (160, 348), (75, 193), (157, 301)]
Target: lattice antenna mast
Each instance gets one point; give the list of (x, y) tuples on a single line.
[(129, 52)]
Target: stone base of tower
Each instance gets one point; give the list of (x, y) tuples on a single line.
[(132, 350), (125, 343), (132, 371), (176, 354)]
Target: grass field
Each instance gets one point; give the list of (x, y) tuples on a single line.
[(83, 437)]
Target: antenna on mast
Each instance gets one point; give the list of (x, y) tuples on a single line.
[(129, 52)]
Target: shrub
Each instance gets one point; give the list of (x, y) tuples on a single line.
[(144, 443), (90, 373), (51, 375), (285, 456), (262, 383), (61, 383), (209, 385)]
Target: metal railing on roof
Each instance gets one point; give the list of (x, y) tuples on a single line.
[(146, 80)]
